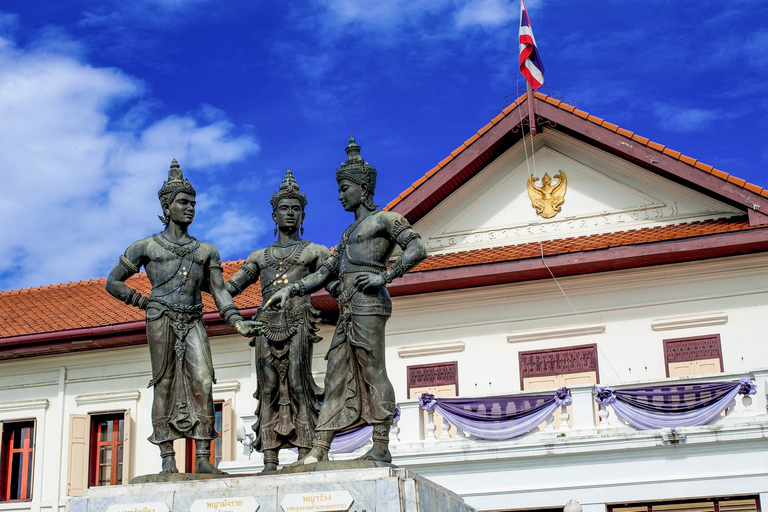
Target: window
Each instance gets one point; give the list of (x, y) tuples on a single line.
[(699, 355), (18, 447), (555, 368), (441, 380), (107, 445), (735, 504), (99, 450)]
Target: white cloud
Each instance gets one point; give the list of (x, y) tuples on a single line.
[(82, 163), (486, 13), (236, 229), (680, 119)]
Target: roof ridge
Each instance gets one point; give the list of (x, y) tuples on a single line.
[(654, 145), (756, 189)]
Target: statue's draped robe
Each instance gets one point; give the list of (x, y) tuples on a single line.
[(182, 367), (289, 398), (357, 389)]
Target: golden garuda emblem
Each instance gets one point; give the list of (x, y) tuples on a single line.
[(547, 198)]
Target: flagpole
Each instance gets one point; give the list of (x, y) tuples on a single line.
[(531, 109)]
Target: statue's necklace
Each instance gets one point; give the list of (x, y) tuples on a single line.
[(282, 265), (179, 249)]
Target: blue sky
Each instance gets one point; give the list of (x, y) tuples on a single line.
[(97, 97)]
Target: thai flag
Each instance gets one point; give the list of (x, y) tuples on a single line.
[(530, 62)]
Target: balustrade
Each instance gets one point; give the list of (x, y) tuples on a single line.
[(416, 425)]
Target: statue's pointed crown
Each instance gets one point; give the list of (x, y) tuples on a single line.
[(289, 189), (355, 168), (176, 183)]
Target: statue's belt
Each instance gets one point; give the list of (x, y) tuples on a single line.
[(182, 316), (352, 302), (282, 324)]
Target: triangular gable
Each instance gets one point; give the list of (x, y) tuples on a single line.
[(503, 132), (604, 194)]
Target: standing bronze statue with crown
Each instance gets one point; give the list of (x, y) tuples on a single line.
[(289, 398), (357, 389), (179, 268)]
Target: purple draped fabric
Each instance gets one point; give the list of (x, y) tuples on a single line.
[(351, 440), (497, 418), (682, 405)]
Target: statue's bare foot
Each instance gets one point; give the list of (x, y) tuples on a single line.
[(204, 466), (315, 455), (169, 464), (379, 451)]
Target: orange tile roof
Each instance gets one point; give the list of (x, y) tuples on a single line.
[(596, 120), (87, 304), (583, 243)]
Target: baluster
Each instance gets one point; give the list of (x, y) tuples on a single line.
[(444, 429), (430, 428), (605, 419), (564, 416), (394, 432), (549, 427), (746, 401)]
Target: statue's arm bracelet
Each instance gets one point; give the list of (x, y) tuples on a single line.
[(230, 314), (332, 264), (130, 267), (395, 271), (246, 267), (407, 239), (298, 289), (134, 298), (237, 287), (216, 266)]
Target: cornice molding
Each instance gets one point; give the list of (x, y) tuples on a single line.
[(688, 322), (555, 332), (431, 349), (104, 398), (228, 385), (24, 405)]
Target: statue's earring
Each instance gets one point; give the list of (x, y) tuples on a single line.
[(275, 228), (301, 229)]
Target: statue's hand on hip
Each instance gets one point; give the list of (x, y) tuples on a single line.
[(249, 328), (369, 280)]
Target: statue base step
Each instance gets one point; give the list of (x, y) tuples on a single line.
[(366, 489)]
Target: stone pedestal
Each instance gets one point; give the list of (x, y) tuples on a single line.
[(379, 489)]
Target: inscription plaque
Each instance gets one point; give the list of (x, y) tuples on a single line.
[(155, 506), (234, 504), (317, 501)]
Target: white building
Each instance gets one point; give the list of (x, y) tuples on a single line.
[(654, 272)]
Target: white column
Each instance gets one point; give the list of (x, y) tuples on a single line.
[(761, 379), (583, 406), (410, 422)]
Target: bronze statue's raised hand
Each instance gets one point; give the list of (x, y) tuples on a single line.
[(249, 328), (279, 297), (368, 280)]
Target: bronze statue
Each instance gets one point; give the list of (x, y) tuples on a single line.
[(179, 267), (289, 398), (357, 389)]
